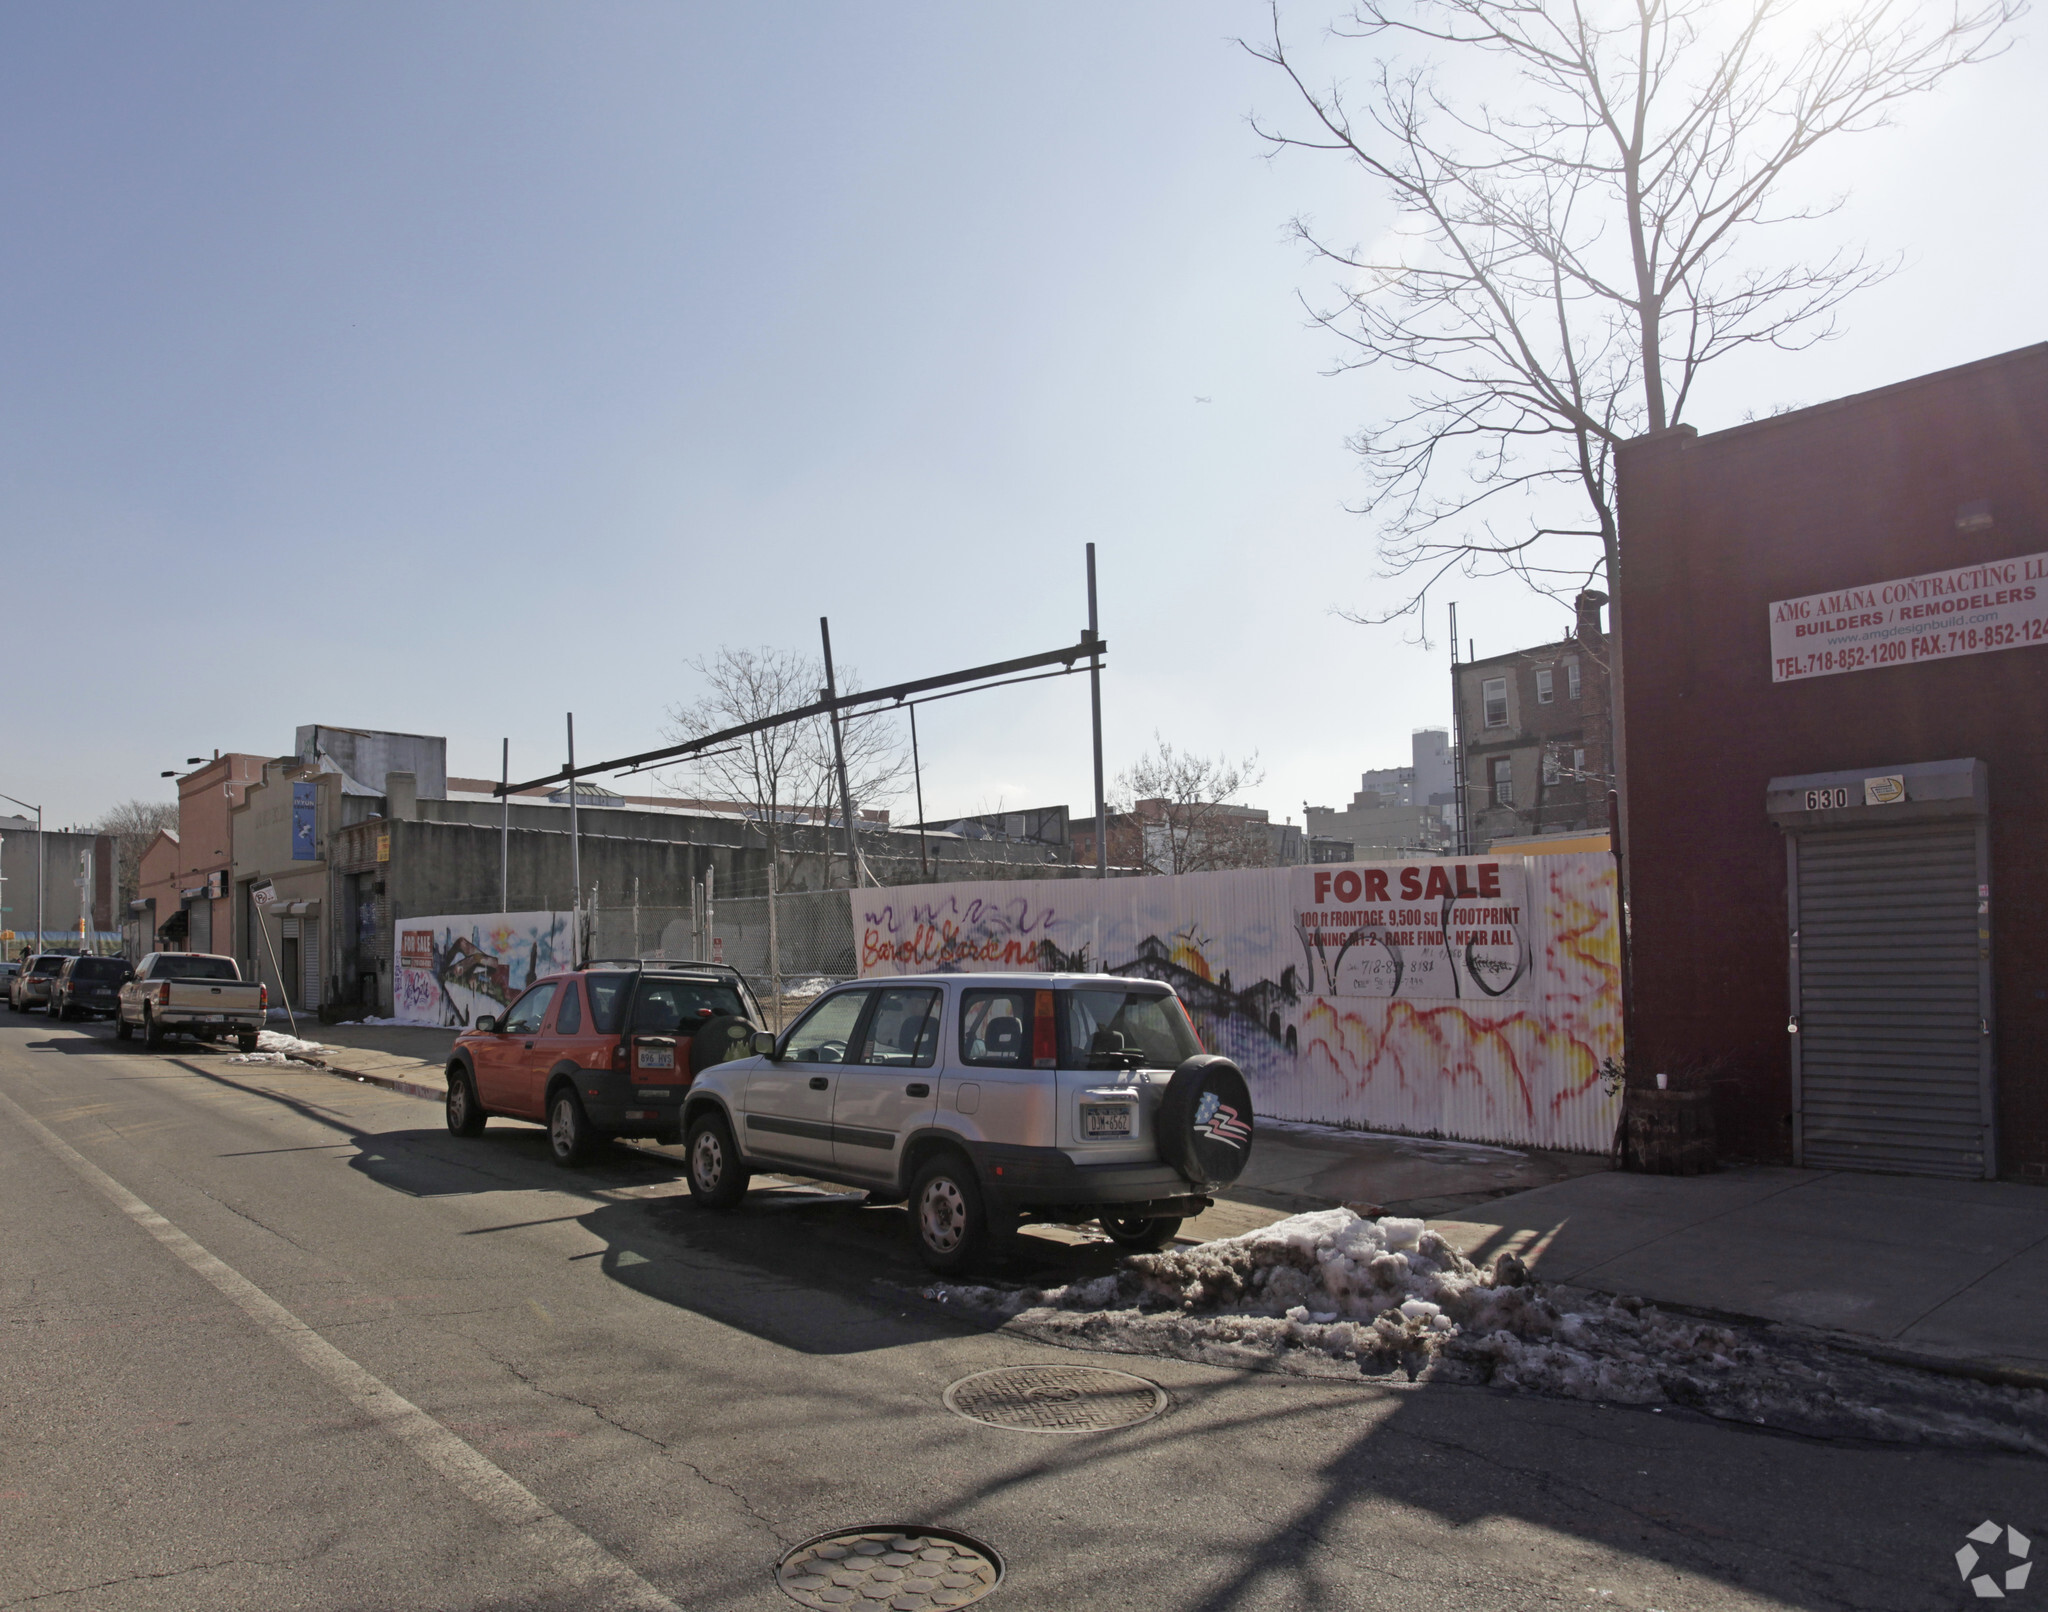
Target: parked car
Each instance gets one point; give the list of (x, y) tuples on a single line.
[(31, 987), (190, 994), (606, 1051), (986, 1101), (85, 987)]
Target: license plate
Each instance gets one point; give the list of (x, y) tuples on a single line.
[(657, 1058), (1105, 1119)]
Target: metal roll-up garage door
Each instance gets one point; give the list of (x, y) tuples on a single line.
[(1892, 1059)]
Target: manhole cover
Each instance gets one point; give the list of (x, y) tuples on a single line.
[(901, 1569), (1055, 1399)]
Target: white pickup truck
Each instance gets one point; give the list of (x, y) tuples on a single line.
[(190, 994)]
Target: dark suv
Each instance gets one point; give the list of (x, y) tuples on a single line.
[(31, 987), (606, 1051), (84, 988)]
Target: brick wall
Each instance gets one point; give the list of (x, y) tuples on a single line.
[(1714, 529)]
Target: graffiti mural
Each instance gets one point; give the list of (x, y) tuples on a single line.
[(452, 969), (1470, 997)]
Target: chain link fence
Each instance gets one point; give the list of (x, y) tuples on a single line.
[(812, 939)]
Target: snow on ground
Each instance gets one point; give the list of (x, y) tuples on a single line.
[(803, 990), (1331, 1294), (273, 1046)]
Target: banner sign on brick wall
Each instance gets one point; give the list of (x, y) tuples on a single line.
[(1971, 610)]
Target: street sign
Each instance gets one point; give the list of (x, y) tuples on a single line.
[(263, 892)]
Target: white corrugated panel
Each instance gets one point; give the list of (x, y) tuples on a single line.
[(1346, 1009)]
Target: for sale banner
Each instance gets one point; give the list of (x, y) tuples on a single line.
[(1971, 610)]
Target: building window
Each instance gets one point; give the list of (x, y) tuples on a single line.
[(1503, 770), (1546, 686), (1550, 768), (1579, 764), (1493, 694), (1571, 679)]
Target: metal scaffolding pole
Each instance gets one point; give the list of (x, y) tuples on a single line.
[(505, 834), (839, 760), (1094, 637), (575, 853)]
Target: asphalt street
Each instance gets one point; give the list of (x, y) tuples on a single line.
[(276, 1340)]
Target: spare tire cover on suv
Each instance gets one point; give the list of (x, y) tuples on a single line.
[(1205, 1121), (719, 1040)]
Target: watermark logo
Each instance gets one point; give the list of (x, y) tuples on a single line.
[(1987, 1585)]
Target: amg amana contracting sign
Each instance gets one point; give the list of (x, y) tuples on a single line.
[(1971, 610)]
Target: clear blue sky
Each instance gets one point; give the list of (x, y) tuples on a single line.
[(444, 367)]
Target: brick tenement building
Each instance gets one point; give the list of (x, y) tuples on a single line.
[(1833, 647), (1533, 735)]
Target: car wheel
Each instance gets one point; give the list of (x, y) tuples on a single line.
[(947, 1219), (1140, 1235), (152, 1032), (121, 1030), (717, 1180), (569, 1135), (465, 1113)]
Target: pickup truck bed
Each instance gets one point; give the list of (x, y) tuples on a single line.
[(190, 994)]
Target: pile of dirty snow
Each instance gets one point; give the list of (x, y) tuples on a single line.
[(272, 1046), (1333, 1294)]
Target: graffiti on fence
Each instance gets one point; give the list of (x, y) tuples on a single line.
[(1475, 998), (452, 969)]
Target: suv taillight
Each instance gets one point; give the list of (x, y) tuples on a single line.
[(1045, 1040)]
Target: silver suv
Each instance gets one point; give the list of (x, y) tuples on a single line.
[(985, 1100)]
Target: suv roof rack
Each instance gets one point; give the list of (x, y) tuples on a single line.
[(665, 965)]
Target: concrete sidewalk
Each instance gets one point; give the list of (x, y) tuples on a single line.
[(408, 1058), (1948, 1270)]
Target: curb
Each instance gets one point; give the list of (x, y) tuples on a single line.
[(408, 1088)]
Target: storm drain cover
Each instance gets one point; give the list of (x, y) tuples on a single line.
[(1055, 1399), (901, 1569)]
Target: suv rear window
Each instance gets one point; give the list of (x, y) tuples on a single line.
[(1099, 1029), (662, 1004), (100, 968), (46, 965)]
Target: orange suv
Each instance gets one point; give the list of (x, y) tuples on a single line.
[(606, 1051)]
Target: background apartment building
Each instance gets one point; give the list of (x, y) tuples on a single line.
[(1534, 736)]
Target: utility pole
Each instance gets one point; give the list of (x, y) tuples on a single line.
[(1094, 636), (575, 853), (839, 759), (917, 777), (505, 834)]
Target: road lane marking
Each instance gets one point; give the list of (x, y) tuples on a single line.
[(586, 1566)]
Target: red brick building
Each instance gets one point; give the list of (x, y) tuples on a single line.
[(1833, 640)]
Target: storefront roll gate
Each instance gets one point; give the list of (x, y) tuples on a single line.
[(1888, 899)]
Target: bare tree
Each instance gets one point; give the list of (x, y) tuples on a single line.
[(134, 823), (1178, 815), (785, 774), (1572, 254)]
